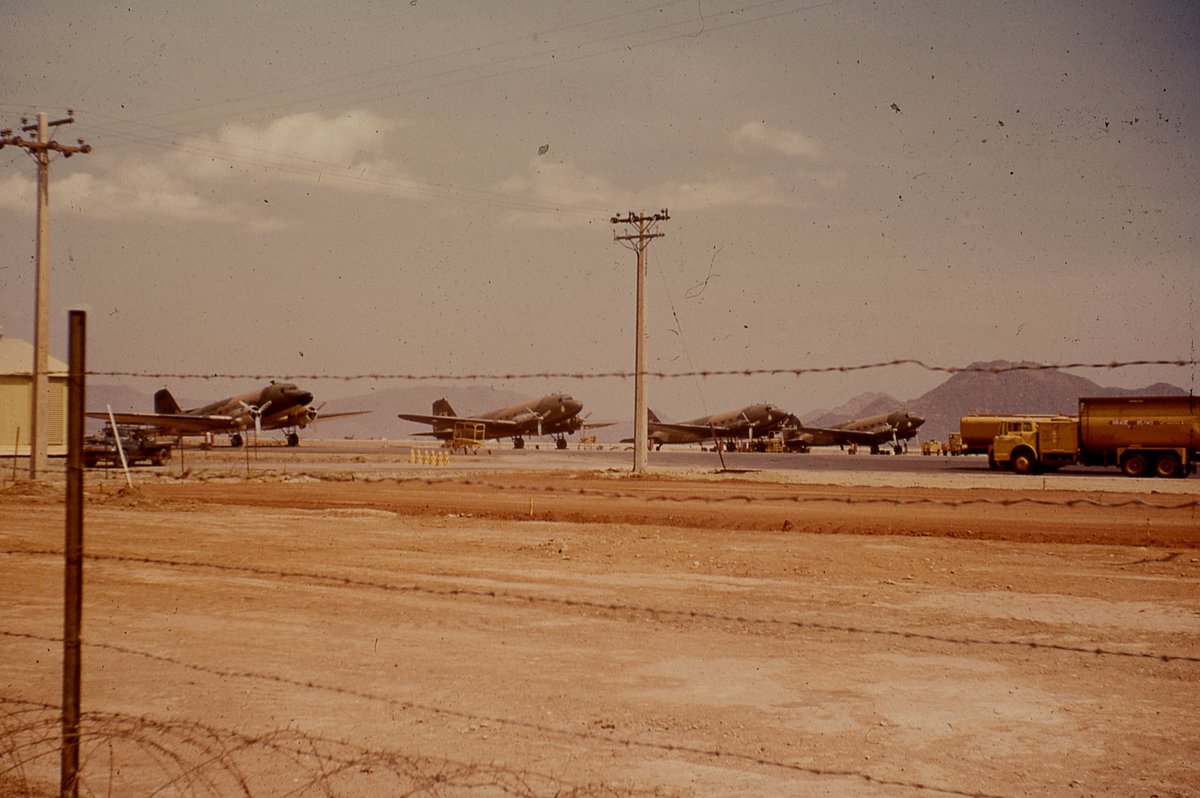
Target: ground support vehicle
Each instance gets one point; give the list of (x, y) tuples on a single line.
[(976, 433), (138, 443), (1141, 435)]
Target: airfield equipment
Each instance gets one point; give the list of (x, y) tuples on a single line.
[(977, 432), (138, 443), (1157, 435)]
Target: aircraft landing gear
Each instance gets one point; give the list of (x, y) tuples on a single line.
[(235, 440), (518, 443), (293, 439), (560, 443)]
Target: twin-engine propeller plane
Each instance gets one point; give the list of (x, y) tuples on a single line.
[(555, 414), (893, 429), (745, 423), (278, 405)]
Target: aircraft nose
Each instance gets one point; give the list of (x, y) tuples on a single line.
[(915, 420), (303, 397), (571, 405)]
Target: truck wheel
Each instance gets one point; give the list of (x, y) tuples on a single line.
[(1167, 466), (1023, 462), (1135, 465)]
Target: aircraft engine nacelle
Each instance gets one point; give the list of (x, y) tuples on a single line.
[(300, 417)]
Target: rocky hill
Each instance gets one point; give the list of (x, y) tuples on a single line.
[(1033, 391), (871, 403)]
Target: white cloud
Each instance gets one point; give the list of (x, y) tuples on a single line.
[(787, 142), (348, 146), (561, 194), (185, 183), (711, 194)]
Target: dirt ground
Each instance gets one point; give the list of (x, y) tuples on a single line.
[(580, 633)]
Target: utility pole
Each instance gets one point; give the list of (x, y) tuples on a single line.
[(645, 227), (40, 148)]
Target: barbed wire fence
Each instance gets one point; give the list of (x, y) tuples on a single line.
[(194, 759), (998, 368), (191, 758), (795, 371)]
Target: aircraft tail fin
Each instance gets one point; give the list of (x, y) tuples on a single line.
[(165, 403), (442, 408), (651, 415)]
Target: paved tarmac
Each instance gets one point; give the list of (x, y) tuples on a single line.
[(404, 459)]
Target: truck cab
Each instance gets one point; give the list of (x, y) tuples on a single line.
[(1029, 445)]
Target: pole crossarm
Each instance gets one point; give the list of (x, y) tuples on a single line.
[(9, 139), (644, 224)]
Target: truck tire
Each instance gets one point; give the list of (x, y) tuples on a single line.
[(1023, 462), (1135, 465), (1167, 466)]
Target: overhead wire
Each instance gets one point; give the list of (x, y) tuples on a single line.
[(548, 57)]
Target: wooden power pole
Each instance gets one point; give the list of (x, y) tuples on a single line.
[(645, 229), (40, 148)]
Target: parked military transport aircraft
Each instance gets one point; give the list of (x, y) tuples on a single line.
[(747, 422), (887, 429), (278, 405), (555, 414)]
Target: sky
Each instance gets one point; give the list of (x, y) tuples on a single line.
[(427, 188)]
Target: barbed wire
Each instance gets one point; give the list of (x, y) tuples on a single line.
[(602, 606), (796, 371), (451, 480), (1012, 501), (194, 758), (543, 730)]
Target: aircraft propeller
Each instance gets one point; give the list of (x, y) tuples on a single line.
[(256, 412)]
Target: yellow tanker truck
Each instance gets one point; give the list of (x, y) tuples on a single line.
[(1142, 435), (976, 433)]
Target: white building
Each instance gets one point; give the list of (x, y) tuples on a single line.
[(16, 400)]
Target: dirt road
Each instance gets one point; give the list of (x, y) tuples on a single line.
[(590, 633)]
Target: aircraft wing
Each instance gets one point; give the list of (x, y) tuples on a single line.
[(176, 423), (687, 433), (868, 437), (440, 421), (344, 414), (597, 424), (443, 426)]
